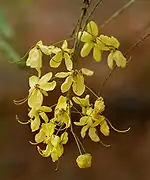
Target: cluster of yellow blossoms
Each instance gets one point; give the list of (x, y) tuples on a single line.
[(53, 132)]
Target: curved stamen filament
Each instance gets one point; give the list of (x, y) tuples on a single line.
[(33, 143), (117, 130), (27, 122), (20, 102), (105, 145)]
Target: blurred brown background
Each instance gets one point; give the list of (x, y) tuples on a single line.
[(127, 93)]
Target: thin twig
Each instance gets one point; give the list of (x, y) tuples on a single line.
[(117, 13)]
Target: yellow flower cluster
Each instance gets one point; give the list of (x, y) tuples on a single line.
[(99, 44), (51, 123)]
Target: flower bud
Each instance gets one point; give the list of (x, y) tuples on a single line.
[(84, 160)]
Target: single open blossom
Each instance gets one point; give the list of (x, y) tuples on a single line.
[(93, 118), (35, 59), (84, 160), (61, 112), (35, 114), (38, 87), (84, 103), (92, 41), (118, 58), (47, 50), (75, 79), (62, 53), (54, 143)]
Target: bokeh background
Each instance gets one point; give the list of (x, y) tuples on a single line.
[(127, 92)]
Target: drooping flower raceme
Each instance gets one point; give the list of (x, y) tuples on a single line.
[(50, 124)]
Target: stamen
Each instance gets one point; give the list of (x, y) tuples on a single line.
[(24, 123), (33, 143), (117, 130), (20, 102), (105, 145)]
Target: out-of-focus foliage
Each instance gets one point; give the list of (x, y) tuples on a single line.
[(6, 32)]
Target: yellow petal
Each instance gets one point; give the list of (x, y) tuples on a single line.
[(101, 45), (55, 140), (44, 116), (35, 58), (83, 121), (45, 78), (40, 137), (62, 74), (45, 49), (84, 130), (64, 138), (33, 80), (86, 37), (64, 45), (45, 109), (93, 135), (56, 60), (92, 28), (78, 85), (110, 41), (84, 160), (32, 113), (97, 55), (47, 151), (82, 101), (104, 128), (110, 60), (66, 119), (62, 103), (119, 59), (114, 42), (35, 99), (66, 85), (48, 86), (35, 124), (87, 72), (54, 156), (48, 128), (99, 105), (59, 150), (87, 47), (68, 61)]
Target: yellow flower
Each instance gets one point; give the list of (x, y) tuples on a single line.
[(35, 115), (47, 50), (110, 42), (84, 160), (35, 59), (38, 87), (75, 79), (54, 147), (62, 53), (92, 41), (84, 103), (118, 57), (61, 112)]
